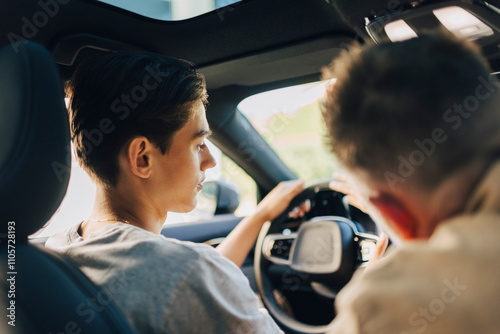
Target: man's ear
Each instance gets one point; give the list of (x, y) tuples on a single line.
[(139, 155), (396, 215)]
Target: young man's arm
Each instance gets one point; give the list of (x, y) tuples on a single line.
[(240, 241)]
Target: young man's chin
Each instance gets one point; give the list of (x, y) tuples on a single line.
[(188, 207)]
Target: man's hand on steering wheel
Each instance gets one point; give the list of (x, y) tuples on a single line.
[(341, 184), (279, 198), (241, 240)]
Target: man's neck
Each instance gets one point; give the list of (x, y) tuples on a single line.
[(111, 205), (451, 196)]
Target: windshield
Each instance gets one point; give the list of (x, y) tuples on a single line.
[(174, 10), (291, 122)]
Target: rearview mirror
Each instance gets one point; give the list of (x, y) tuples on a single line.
[(218, 197)]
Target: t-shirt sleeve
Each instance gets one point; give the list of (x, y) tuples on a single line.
[(216, 297)]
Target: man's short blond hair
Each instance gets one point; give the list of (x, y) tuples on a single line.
[(420, 108)]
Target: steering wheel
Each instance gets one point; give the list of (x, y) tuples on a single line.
[(317, 253)]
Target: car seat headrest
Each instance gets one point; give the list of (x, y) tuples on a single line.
[(34, 139)]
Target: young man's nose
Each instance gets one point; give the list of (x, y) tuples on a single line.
[(208, 160)]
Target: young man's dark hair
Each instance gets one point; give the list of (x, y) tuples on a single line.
[(137, 94), (397, 106)]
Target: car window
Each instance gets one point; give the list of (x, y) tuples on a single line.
[(173, 10), (290, 120), (78, 202)]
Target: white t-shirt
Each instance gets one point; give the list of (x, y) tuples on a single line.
[(164, 285)]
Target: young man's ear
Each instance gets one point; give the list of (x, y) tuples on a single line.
[(139, 155), (396, 215)]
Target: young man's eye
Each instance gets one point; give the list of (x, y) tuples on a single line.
[(202, 146)]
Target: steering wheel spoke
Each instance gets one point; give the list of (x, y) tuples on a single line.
[(277, 248)]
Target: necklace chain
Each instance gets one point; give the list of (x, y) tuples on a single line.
[(110, 220)]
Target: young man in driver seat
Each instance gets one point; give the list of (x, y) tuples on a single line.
[(138, 126), (417, 127)]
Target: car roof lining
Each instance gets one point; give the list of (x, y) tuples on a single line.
[(212, 38), (281, 63)]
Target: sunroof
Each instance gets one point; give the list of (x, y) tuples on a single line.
[(173, 10)]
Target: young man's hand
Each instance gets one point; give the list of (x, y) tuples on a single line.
[(279, 198), (380, 249), (340, 184), (241, 240)]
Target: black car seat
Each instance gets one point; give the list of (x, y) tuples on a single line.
[(49, 293)]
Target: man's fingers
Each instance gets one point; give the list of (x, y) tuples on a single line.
[(380, 248), (356, 202), (306, 205), (339, 177), (296, 187), (379, 251), (301, 210), (340, 186)]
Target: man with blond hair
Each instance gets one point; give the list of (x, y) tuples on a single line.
[(416, 127)]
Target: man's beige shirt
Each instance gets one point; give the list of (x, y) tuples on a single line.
[(449, 284)]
